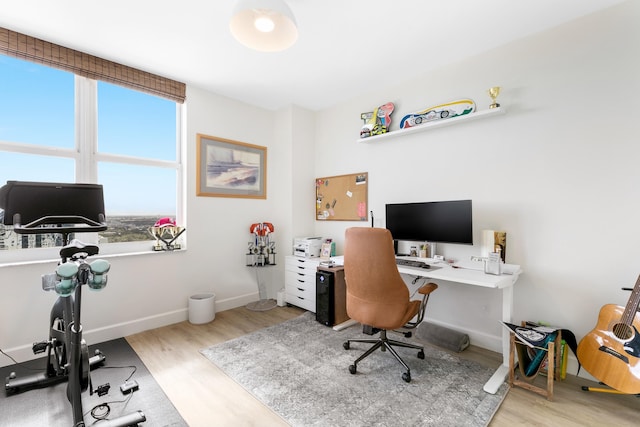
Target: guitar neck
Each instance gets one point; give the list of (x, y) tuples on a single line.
[(632, 305)]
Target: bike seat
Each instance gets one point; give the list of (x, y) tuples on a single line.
[(76, 247)]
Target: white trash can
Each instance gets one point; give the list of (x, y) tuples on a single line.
[(202, 308)]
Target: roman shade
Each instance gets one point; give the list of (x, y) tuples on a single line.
[(29, 48)]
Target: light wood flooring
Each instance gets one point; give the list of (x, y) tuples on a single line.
[(205, 396)]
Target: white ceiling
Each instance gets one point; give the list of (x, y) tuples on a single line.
[(345, 47)]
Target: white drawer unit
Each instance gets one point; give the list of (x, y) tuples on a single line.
[(300, 281)]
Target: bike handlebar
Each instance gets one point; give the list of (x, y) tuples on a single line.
[(65, 223)]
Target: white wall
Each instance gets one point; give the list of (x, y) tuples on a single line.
[(558, 172), (219, 227)]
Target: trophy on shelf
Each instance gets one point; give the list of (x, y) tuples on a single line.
[(493, 93), (166, 231)]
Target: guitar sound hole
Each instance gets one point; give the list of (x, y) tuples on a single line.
[(622, 331)]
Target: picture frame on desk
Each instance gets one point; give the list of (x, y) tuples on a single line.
[(325, 251)]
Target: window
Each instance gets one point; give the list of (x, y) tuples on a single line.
[(59, 127), (135, 124), (37, 104), (136, 156)]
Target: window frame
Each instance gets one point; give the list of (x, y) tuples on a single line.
[(86, 157)]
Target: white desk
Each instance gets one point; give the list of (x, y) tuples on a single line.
[(471, 273)]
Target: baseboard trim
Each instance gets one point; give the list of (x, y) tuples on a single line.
[(94, 336), (477, 338)]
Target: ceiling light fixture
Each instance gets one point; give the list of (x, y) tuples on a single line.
[(264, 25)]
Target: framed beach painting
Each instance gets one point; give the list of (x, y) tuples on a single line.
[(228, 168)]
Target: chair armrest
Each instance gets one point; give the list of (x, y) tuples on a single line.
[(427, 289)]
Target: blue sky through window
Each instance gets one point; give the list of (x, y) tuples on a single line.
[(38, 108), (135, 124), (137, 190), (37, 104)]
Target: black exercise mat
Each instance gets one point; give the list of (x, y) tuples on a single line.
[(49, 406)]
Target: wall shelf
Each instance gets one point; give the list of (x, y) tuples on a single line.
[(436, 124)]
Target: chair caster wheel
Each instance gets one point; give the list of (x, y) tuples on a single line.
[(406, 377), (346, 345), (421, 354), (352, 369)]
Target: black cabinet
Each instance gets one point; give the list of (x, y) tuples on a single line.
[(330, 296), (325, 295)]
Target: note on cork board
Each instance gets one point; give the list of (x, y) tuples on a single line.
[(342, 198)]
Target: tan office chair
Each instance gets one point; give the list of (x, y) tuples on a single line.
[(376, 294)]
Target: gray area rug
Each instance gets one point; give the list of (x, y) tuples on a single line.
[(299, 369), (50, 407)]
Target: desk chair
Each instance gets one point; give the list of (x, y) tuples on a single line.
[(377, 297)]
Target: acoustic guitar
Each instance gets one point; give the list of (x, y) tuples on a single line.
[(611, 351)]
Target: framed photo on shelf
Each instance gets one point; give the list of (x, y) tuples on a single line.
[(227, 168)]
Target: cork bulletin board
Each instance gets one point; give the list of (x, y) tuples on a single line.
[(342, 198)]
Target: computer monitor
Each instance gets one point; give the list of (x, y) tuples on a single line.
[(438, 222)]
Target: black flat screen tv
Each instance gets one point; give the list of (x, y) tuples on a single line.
[(438, 222)]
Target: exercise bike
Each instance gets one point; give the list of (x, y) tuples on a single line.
[(45, 208)]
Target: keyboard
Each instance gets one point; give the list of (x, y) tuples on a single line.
[(412, 263)]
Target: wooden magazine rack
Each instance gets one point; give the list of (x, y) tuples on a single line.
[(518, 377)]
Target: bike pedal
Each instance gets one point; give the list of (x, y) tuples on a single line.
[(40, 347)]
